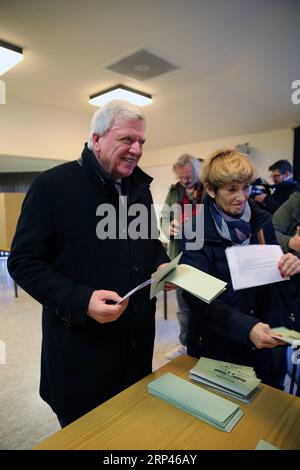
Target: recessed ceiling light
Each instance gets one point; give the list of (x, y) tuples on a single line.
[(120, 92), (10, 55)]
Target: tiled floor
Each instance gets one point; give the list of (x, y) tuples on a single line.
[(25, 419)]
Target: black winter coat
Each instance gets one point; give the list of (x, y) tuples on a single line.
[(281, 194), (59, 260), (221, 330)]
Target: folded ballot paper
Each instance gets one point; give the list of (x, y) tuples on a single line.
[(234, 380), (264, 445), (202, 285), (254, 265), (286, 335), (214, 410)]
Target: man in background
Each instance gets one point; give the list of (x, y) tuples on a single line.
[(285, 185), (188, 190)]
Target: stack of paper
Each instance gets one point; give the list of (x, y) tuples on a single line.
[(221, 413), (289, 336), (234, 380)]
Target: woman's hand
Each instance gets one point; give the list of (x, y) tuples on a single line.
[(289, 265), (174, 228), (261, 336), (294, 242)]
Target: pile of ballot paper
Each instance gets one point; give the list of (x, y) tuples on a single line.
[(235, 380), (214, 410)]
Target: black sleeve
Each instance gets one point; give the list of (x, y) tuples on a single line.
[(31, 260), (271, 204), (219, 315)]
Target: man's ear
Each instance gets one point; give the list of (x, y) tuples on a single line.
[(287, 175), (96, 142), (209, 190)]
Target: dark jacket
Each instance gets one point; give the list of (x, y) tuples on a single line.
[(176, 195), (59, 260), (281, 194), (221, 330), (286, 219)]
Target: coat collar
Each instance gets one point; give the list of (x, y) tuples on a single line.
[(135, 184)]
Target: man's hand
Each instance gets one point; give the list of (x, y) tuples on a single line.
[(294, 242), (261, 336), (174, 228), (168, 285), (289, 265), (104, 312)]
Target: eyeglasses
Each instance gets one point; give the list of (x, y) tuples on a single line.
[(185, 178)]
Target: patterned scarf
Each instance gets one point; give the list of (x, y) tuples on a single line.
[(237, 230)]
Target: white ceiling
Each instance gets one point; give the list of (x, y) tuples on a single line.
[(236, 58)]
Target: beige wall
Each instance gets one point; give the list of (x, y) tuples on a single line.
[(3, 245), (40, 131), (10, 207), (265, 149)]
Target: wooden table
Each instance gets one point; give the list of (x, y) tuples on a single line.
[(134, 420)]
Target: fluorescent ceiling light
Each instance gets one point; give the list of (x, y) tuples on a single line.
[(9, 56), (120, 92)]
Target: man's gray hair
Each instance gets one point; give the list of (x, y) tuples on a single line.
[(105, 116), (187, 159)]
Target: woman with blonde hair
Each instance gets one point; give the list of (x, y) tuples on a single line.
[(236, 327)]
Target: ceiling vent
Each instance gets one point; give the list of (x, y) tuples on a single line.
[(243, 148), (141, 65)]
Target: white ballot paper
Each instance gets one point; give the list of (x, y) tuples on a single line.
[(144, 284), (254, 265)]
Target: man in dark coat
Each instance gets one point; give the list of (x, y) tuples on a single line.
[(73, 253), (285, 185)]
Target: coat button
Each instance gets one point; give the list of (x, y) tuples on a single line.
[(135, 268)]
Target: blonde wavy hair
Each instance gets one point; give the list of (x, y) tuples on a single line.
[(227, 166)]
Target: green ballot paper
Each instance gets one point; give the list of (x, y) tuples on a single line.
[(214, 410), (286, 335), (234, 380), (202, 285)]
